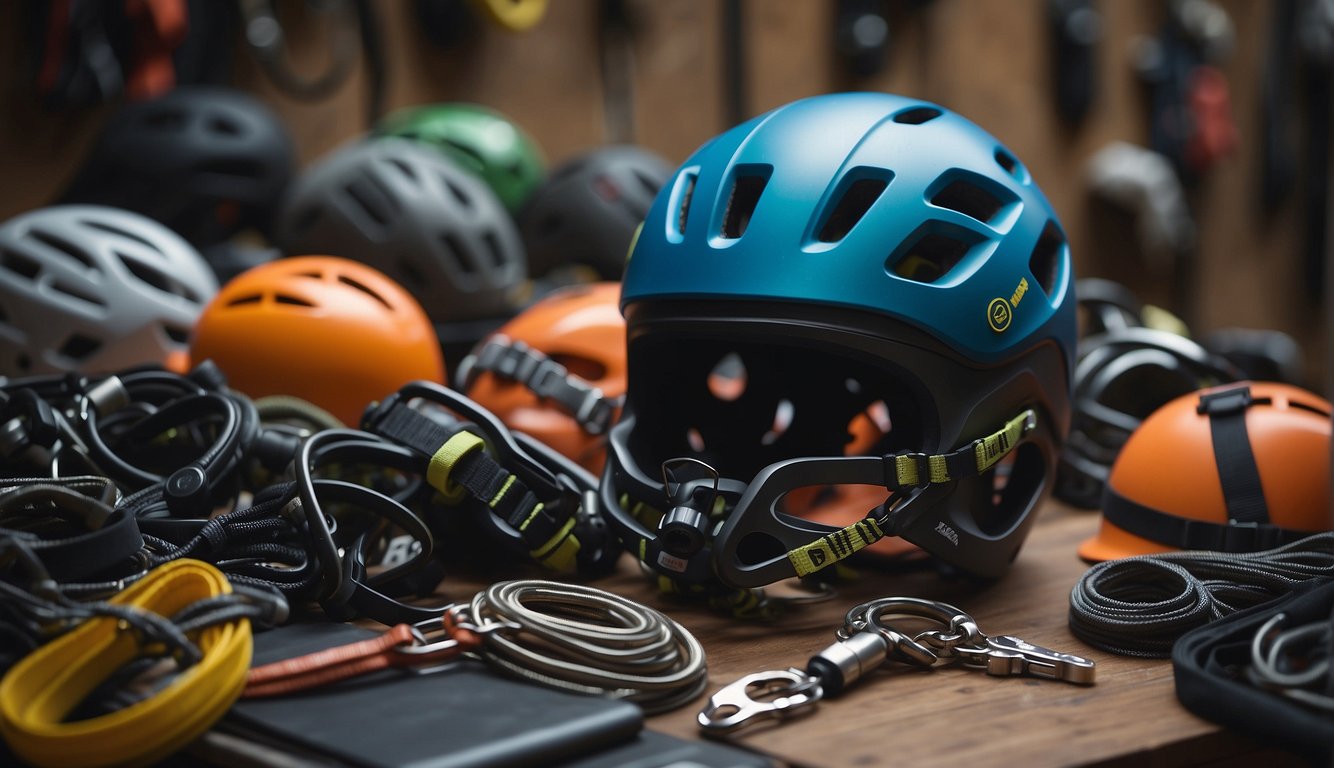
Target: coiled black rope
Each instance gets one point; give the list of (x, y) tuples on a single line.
[(1139, 606)]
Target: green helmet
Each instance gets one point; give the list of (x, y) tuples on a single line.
[(477, 138)]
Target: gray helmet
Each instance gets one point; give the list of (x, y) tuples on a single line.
[(587, 212), (403, 208), (92, 289)]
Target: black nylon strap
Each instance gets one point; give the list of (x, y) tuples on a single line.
[(1190, 534), (112, 538), (484, 478), (1242, 491)]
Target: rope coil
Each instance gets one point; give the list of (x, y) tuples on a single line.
[(1140, 606), (583, 639)]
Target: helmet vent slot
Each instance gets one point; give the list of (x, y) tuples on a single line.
[(224, 126), (464, 198), (177, 334), (651, 185), (917, 115), (1311, 407), (852, 204), (77, 293), (455, 253), (63, 246), (249, 298), (1011, 165), (687, 185), (290, 300), (79, 347), (494, 250), (474, 158), (19, 264), (404, 168), (345, 280), (370, 200), (1045, 260), (970, 199), (111, 229), (157, 278), (930, 258), (246, 169), (746, 190), (165, 119)]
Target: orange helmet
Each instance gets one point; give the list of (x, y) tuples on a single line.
[(556, 371), (328, 330), (1237, 468)]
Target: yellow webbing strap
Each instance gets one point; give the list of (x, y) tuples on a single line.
[(39, 692), (835, 546), (986, 452), (512, 15), (442, 463), (560, 550)]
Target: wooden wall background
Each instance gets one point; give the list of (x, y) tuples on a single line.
[(987, 59)]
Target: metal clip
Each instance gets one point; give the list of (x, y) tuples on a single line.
[(779, 694), (1008, 655)]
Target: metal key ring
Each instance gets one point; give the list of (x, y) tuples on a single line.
[(871, 614)]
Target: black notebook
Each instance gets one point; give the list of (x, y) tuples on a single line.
[(462, 714)]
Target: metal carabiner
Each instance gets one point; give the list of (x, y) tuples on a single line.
[(778, 695), (1006, 655)]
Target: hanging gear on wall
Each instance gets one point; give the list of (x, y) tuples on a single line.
[(354, 25), (776, 292)]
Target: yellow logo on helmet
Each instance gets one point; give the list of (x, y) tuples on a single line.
[(1001, 311)]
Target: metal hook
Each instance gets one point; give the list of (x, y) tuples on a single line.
[(783, 693)]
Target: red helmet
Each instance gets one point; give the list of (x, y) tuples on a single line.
[(328, 330), (556, 371), (1237, 468)]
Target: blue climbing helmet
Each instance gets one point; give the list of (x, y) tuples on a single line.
[(852, 289)]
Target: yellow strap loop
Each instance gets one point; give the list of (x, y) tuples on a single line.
[(513, 15), (995, 446), (559, 551), (835, 546), (39, 692), (986, 452), (442, 463)]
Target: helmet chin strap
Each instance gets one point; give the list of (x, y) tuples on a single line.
[(756, 512), (514, 360), (913, 470)]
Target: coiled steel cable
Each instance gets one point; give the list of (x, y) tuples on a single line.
[(583, 639)]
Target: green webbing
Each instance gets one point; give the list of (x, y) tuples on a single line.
[(835, 546)]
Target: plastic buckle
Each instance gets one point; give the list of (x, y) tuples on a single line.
[(891, 463), (1241, 537), (1234, 400)]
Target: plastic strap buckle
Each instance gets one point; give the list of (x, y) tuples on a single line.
[(907, 470), (1227, 401)]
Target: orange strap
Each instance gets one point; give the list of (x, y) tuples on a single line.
[(363, 657)]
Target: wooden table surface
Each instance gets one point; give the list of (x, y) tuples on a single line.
[(954, 715)]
